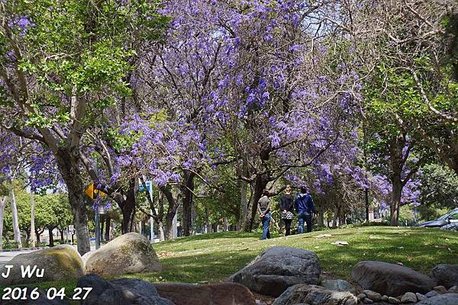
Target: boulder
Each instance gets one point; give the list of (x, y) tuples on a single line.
[(443, 299), (58, 263), (129, 253), (337, 285), (393, 300), (431, 294), (390, 279), (445, 275), (314, 295), (212, 294), (374, 296), (420, 297), (120, 292), (409, 297), (440, 289), (86, 256), (278, 268)]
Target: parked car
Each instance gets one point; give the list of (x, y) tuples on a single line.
[(447, 221)]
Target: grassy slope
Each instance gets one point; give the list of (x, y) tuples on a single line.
[(214, 257)]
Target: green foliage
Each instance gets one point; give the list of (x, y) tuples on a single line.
[(4, 191), (393, 98), (407, 216), (121, 141), (76, 48), (51, 210), (439, 186), (218, 205)]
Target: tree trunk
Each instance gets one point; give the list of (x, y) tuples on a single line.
[(159, 219), (335, 219), (366, 200), (69, 166), (107, 228), (3, 201), (33, 236), (395, 200), (160, 229), (397, 162), (243, 205), (27, 237), (171, 211), (17, 232), (128, 209), (169, 226), (38, 234), (260, 184), (51, 237), (187, 191)]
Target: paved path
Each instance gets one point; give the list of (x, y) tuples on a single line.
[(8, 255)]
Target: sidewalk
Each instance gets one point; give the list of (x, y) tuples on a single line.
[(7, 255)]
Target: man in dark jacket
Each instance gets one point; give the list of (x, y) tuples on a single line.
[(305, 210)]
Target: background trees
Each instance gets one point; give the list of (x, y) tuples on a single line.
[(64, 65), (215, 101)]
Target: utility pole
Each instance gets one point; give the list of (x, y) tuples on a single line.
[(33, 238)]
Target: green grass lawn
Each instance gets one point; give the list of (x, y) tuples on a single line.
[(214, 257)]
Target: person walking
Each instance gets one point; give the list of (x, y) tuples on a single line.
[(305, 210), (264, 214), (286, 209)]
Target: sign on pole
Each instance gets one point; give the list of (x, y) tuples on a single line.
[(92, 192)]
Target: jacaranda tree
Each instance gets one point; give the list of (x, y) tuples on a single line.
[(62, 65)]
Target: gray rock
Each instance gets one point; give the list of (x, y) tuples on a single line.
[(98, 284), (211, 294), (314, 295), (86, 256), (368, 301), (375, 296), (420, 297), (440, 289), (409, 297), (443, 299), (278, 268), (58, 263), (453, 289), (390, 279), (445, 275), (129, 253), (137, 286), (361, 296), (431, 294), (393, 300), (385, 298), (120, 292), (337, 285)]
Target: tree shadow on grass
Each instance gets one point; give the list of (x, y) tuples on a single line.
[(207, 267), (210, 236), (215, 260)]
